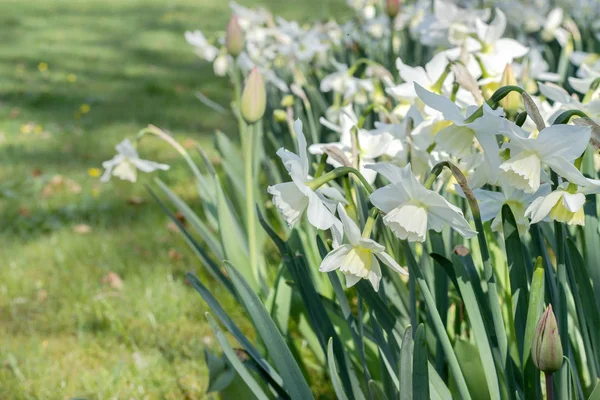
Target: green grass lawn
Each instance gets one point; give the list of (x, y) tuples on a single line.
[(76, 77)]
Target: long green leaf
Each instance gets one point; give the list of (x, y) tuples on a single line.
[(292, 377), (231, 355), (317, 315), (518, 274), (267, 371), (534, 311), (477, 325), (338, 387), (406, 366), (208, 263), (438, 325), (199, 226), (420, 382), (233, 238)]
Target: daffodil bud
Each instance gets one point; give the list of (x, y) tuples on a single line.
[(254, 97), (392, 7), (546, 350), (234, 37), (512, 101), (287, 101), (280, 115)]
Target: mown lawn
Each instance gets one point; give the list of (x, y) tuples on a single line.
[(93, 300)]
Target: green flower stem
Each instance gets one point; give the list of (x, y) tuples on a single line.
[(250, 216), (566, 116), (492, 292), (495, 100), (151, 129), (561, 307), (311, 119), (321, 166), (437, 86), (350, 197), (361, 61), (338, 173), (549, 387), (368, 228), (237, 97), (438, 325), (593, 87)]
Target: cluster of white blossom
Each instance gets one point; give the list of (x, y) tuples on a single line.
[(431, 113)]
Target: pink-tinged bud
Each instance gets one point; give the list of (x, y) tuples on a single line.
[(234, 37), (254, 97), (392, 7), (546, 349)]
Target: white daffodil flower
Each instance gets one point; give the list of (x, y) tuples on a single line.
[(457, 138), (552, 28), (561, 96), (204, 49), (426, 77), (370, 145), (360, 258), (343, 83), (411, 209), (493, 50), (560, 205), (126, 163), (292, 198), (491, 203), (556, 146)]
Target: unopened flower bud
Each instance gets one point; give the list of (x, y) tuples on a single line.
[(546, 350), (287, 101), (254, 97), (280, 115), (392, 7), (512, 101), (234, 37)]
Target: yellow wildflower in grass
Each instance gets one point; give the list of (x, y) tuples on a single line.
[(26, 128), (38, 129), (42, 67), (71, 78), (85, 108), (94, 172)]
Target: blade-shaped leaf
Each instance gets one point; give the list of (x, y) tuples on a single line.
[(231, 355), (293, 380)]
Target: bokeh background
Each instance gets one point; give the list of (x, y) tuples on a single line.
[(93, 298)]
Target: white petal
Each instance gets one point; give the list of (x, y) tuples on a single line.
[(335, 258), (390, 262), (568, 141), (351, 280), (388, 197), (375, 276), (509, 49), (126, 171), (318, 214), (573, 201), (540, 207), (523, 171), (391, 172), (289, 201), (439, 209), (408, 221), (350, 228), (440, 103), (127, 149), (301, 146), (564, 168), (148, 166), (371, 245)]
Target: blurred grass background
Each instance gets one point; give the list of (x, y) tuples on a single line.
[(93, 300)]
